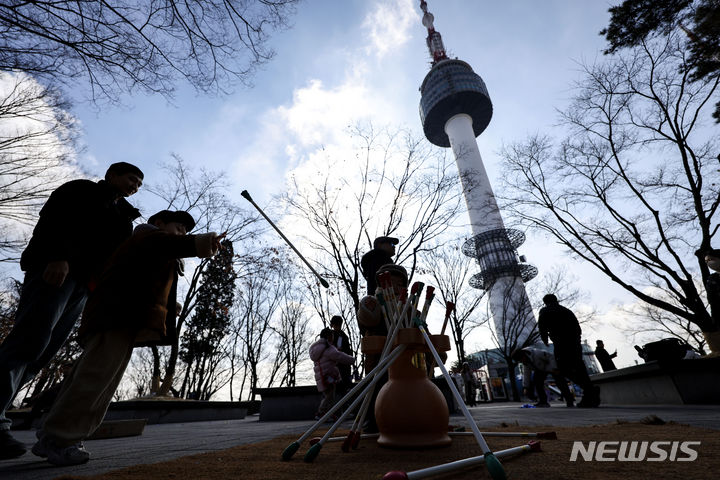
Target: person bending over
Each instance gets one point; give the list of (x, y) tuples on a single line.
[(134, 304)]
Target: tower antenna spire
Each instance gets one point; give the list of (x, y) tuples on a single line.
[(434, 39)]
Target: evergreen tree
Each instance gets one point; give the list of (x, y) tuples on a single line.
[(201, 343), (634, 21)]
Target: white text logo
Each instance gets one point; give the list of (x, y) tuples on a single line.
[(658, 451)]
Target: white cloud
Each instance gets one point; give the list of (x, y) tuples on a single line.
[(37, 154), (389, 24), (318, 115)]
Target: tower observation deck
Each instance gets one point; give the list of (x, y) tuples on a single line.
[(455, 108)]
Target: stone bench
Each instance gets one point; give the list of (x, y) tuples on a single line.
[(691, 381), (301, 403), (175, 411), (288, 403)]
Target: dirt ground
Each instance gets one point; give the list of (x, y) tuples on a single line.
[(261, 461)]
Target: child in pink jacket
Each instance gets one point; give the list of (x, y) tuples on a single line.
[(327, 374)]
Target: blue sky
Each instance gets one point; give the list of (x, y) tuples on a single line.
[(363, 60), (358, 52)]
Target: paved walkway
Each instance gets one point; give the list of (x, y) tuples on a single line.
[(168, 441)]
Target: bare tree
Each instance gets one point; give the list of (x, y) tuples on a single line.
[(632, 189), (292, 334), (648, 322), (38, 143), (514, 333), (122, 45), (397, 185), (634, 21), (259, 300), (564, 285), (333, 301), (451, 270)]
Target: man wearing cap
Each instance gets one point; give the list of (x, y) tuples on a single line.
[(133, 305), (80, 226), (382, 253)]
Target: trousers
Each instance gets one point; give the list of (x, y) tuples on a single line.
[(89, 388), (43, 321)]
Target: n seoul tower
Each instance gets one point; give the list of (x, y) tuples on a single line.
[(455, 108)]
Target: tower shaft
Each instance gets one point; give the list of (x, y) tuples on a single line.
[(509, 303), (481, 204)]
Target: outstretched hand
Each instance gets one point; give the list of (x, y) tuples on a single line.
[(218, 240)]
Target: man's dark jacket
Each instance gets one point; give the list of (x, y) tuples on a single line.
[(80, 223), (371, 263), (137, 290), (344, 343), (560, 324)]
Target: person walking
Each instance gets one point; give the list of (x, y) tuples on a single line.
[(327, 375), (538, 363), (604, 357), (80, 226), (560, 325), (470, 384), (342, 343), (382, 254), (133, 305)]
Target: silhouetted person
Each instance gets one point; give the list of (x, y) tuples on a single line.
[(538, 364), (604, 357), (371, 323), (561, 325), (712, 286), (342, 343), (470, 384), (133, 305), (80, 226), (382, 254)]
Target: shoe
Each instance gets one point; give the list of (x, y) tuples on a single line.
[(9, 446), (542, 405), (65, 456), (590, 399), (570, 405), (40, 449)]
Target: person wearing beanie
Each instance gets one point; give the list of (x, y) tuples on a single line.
[(134, 304), (80, 226), (381, 254)]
